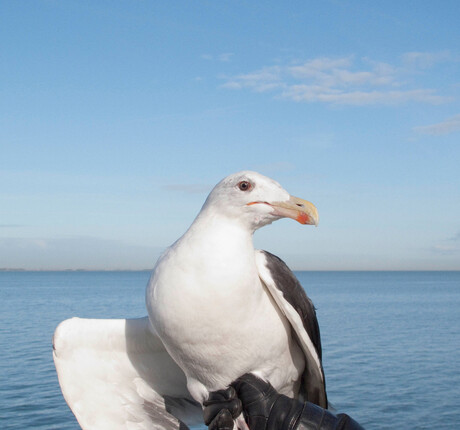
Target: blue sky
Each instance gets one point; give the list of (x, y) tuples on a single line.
[(117, 118)]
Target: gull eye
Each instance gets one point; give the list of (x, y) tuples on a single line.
[(244, 185)]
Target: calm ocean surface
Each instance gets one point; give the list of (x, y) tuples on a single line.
[(391, 342)]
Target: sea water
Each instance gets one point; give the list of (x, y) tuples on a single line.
[(391, 342)]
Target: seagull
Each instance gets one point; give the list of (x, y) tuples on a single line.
[(217, 309)]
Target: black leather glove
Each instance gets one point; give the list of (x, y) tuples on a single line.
[(265, 409)]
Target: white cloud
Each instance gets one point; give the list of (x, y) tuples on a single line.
[(330, 95), (317, 66), (424, 59), (342, 80), (450, 125), (262, 80)]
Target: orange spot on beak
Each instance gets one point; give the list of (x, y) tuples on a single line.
[(303, 218)]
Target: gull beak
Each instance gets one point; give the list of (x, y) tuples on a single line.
[(298, 209)]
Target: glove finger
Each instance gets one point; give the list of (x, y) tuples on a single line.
[(252, 389), (210, 411), (258, 398), (223, 421), (220, 396)]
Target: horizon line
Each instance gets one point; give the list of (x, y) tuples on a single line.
[(293, 270)]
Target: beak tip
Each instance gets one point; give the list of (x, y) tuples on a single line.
[(298, 209)]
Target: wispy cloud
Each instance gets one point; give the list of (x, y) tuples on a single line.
[(342, 80), (261, 80), (448, 246), (330, 95), (424, 60), (448, 126), (224, 57), (227, 56)]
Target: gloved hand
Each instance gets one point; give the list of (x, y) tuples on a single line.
[(265, 409)]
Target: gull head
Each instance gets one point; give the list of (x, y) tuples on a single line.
[(256, 200)]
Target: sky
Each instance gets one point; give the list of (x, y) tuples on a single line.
[(118, 117)]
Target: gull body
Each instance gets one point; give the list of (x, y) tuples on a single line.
[(206, 299)]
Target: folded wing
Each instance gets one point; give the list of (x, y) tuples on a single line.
[(116, 374), (300, 312)]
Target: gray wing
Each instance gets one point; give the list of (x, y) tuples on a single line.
[(300, 312), (116, 374)]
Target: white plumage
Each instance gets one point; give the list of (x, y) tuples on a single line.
[(218, 307)]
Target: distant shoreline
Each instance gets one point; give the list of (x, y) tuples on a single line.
[(294, 270), (74, 270)]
